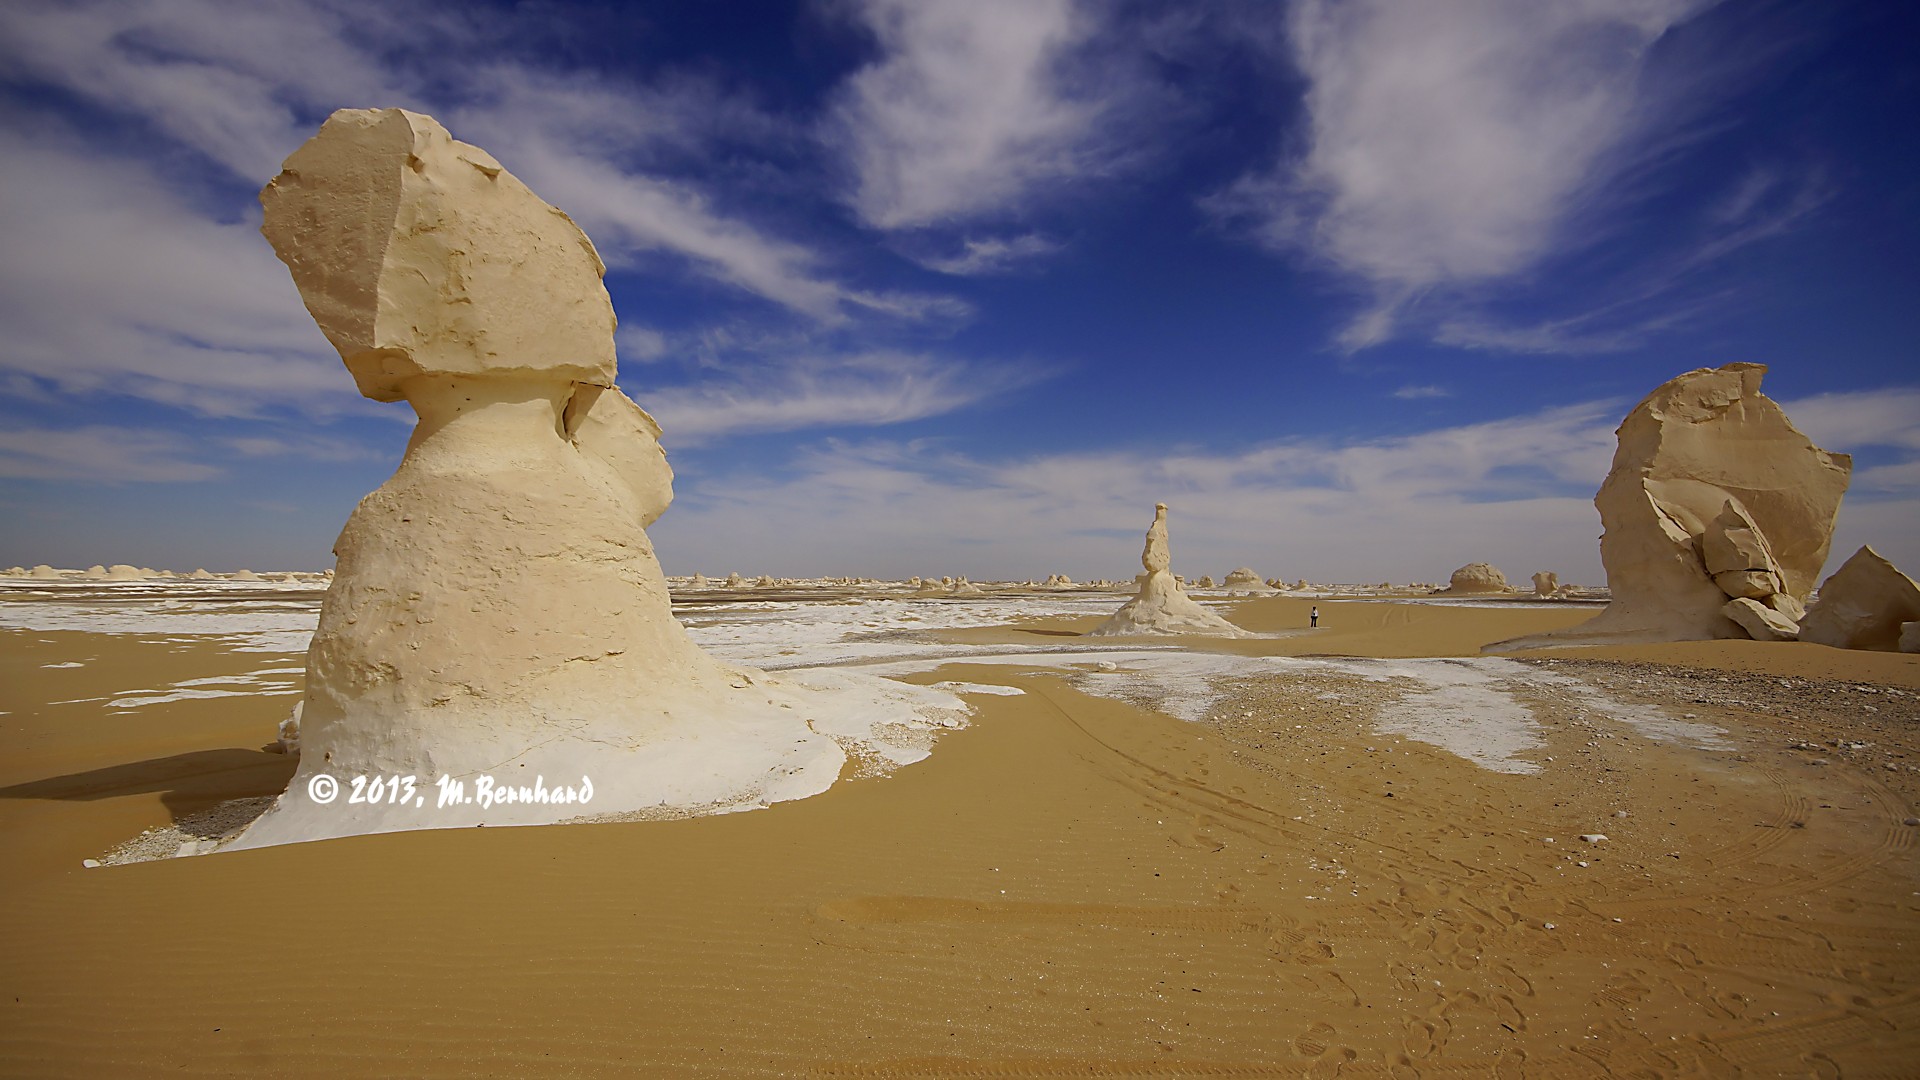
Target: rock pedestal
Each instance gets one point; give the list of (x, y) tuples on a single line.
[(1161, 607), (497, 610)]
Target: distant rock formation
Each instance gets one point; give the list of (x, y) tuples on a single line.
[(1866, 604), (1714, 496), (1546, 583), (243, 574), (1206, 582), (1058, 581), (735, 581), (498, 612), (42, 571), (698, 581), (1242, 580), (963, 587), (1478, 577), (124, 572), (1160, 607), (200, 575)]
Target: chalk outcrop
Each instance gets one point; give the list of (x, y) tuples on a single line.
[(498, 616), (1714, 496), (1546, 583), (43, 572), (1866, 604), (1478, 577), (1243, 580), (1160, 606)]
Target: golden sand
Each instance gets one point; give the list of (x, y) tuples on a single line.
[(1070, 887)]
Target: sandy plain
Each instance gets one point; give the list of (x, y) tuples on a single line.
[(1288, 878)]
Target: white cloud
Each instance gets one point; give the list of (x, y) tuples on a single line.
[(968, 112), (1859, 419), (1516, 491), (1413, 392), (111, 284), (640, 343), (1448, 139), (861, 390), (100, 453), (991, 254), (243, 84)]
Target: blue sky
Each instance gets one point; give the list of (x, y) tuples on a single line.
[(965, 286)]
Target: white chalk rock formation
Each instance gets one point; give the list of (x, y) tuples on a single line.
[(1160, 607), (124, 572), (1761, 622), (1243, 580), (43, 572), (1546, 583), (1866, 604), (963, 587), (243, 574), (1478, 577), (698, 581), (735, 581), (1206, 581), (1713, 496), (498, 616), (95, 571)]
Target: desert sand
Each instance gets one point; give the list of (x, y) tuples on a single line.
[(1236, 857)]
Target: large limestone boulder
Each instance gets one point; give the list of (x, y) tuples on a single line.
[(1713, 496), (1866, 604), (1546, 583), (498, 613), (1478, 577), (1161, 607), (1761, 623), (1243, 580)]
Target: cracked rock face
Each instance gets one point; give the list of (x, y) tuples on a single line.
[(497, 607), (1867, 604), (1714, 497)]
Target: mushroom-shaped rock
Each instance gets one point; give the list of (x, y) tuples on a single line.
[(1160, 607), (1546, 583), (1713, 494), (1866, 604), (1478, 577), (498, 614)]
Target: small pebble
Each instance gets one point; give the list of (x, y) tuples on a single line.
[(1911, 821), (93, 864), (1107, 665)]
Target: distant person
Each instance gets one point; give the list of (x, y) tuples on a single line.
[(1313, 617)]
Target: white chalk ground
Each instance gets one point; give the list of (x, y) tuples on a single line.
[(835, 648)]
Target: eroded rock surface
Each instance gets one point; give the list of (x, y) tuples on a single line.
[(1713, 496), (1161, 606)]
